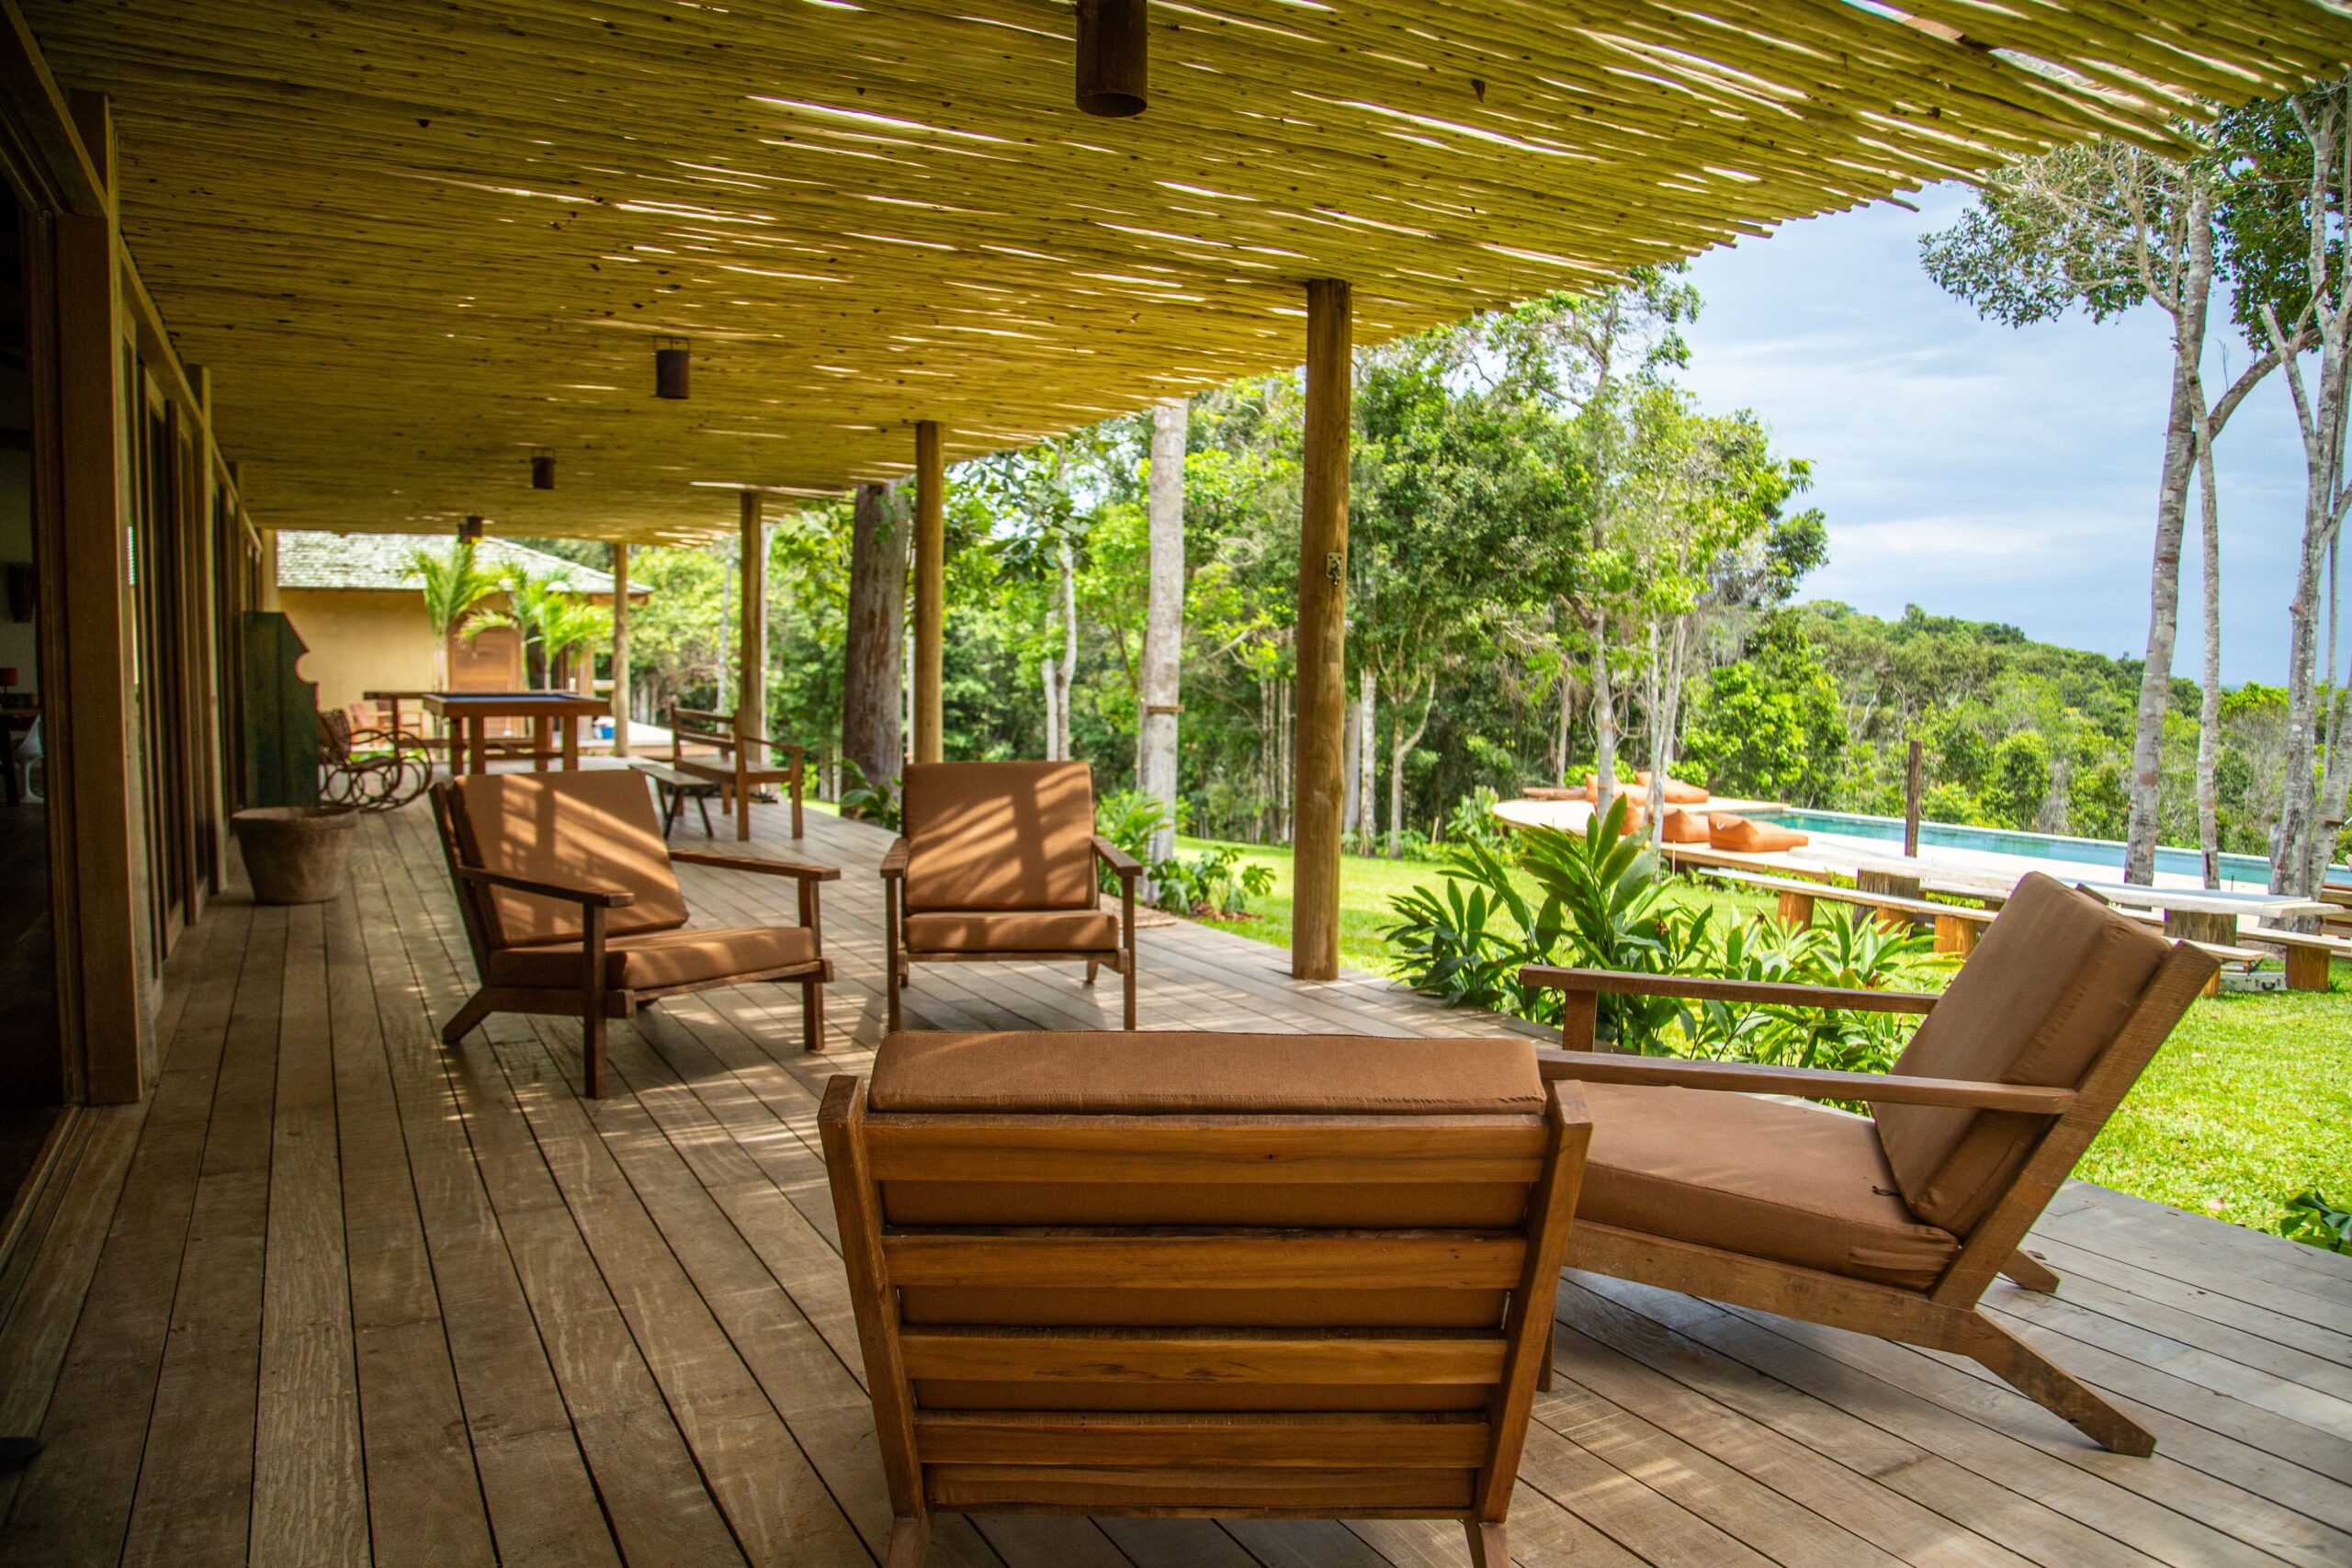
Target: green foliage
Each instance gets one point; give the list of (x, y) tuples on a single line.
[(2019, 779), (454, 583), (1130, 820), (2315, 1219), (1769, 726), (872, 800), (1473, 820), (548, 613), (1215, 884)]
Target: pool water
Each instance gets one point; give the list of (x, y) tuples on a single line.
[(2026, 846)]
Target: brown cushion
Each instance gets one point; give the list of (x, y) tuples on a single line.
[(999, 836), (1685, 826), (1018, 931), (1727, 831), (652, 960), (1199, 1072), (1793, 1183), (592, 827), (1677, 792), (2050, 985)]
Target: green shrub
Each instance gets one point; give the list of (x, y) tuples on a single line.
[(2313, 1219), (875, 802), (1214, 884)]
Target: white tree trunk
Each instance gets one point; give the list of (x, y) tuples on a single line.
[(1604, 712), (1351, 751), (2208, 713), (1561, 717), (1401, 746), (2182, 425), (1049, 677), (1163, 630), (1666, 703), (1367, 781)]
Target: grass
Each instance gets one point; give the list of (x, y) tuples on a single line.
[(2247, 1105)]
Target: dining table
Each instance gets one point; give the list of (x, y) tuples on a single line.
[(553, 717)]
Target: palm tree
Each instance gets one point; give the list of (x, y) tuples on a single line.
[(454, 583), (549, 615)]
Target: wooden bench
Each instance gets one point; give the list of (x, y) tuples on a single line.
[(1957, 928), (678, 788), (736, 773), (2306, 955)]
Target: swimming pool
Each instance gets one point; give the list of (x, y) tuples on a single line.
[(2026, 846)]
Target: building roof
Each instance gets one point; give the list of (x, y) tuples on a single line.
[(314, 558), (415, 246)]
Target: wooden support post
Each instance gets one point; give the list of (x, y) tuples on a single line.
[(1796, 909), (752, 687), (930, 589), (1956, 935), (620, 650), (1321, 695)]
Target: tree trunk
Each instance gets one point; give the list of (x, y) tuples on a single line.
[(2335, 773), (1351, 749), (2182, 425), (1401, 747), (1048, 678), (2209, 712), (1666, 703), (1367, 783), (1604, 713), (874, 660), (1560, 722), (1068, 673), (1163, 630)]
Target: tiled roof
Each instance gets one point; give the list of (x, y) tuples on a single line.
[(310, 559)]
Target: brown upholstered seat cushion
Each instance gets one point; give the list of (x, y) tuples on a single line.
[(1195, 1073), (1792, 1183), (2051, 983), (1685, 826), (999, 836), (595, 826), (1727, 831), (652, 960), (1012, 931), (1677, 792)]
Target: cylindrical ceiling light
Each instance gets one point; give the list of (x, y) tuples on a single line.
[(543, 470), (1114, 67), (470, 530), (671, 360)]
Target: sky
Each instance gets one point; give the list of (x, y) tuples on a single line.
[(1990, 472)]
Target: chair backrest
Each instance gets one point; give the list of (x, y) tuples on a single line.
[(595, 825), (999, 836), (1240, 1271), (2050, 987), (701, 725), (334, 737)]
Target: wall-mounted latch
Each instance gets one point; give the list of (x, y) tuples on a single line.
[(1334, 567)]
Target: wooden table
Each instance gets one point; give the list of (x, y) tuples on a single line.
[(469, 712), (14, 723)]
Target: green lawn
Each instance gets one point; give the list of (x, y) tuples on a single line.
[(2249, 1104)]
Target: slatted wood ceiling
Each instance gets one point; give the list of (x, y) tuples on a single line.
[(417, 242)]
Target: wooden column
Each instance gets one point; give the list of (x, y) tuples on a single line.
[(96, 742), (930, 589), (1322, 636), (620, 650), (751, 689)]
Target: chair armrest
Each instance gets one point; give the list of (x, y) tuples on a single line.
[(894, 859), (570, 893), (1808, 1083), (1121, 863), (756, 866), (1700, 988)]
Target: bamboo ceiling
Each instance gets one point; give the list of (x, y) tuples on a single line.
[(416, 242)]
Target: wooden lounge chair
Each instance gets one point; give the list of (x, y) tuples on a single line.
[(1895, 1226), (995, 862), (1200, 1274), (570, 908), (742, 770)]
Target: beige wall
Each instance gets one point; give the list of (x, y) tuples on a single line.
[(361, 640)]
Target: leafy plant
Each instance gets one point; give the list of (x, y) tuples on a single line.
[(1214, 883), (1473, 821), (2314, 1220), (875, 801), (1130, 820)]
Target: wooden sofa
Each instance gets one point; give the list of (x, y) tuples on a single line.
[(1199, 1274), (570, 908), (1893, 1226), (995, 862)]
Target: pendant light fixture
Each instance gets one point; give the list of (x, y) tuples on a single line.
[(543, 470), (1113, 72), (670, 362)]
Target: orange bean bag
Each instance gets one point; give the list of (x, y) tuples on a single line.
[(1726, 832), (1677, 792), (1685, 826)]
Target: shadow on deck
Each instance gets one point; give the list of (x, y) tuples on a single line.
[(338, 1296)]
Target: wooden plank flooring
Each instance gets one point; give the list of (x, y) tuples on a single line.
[(336, 1295)]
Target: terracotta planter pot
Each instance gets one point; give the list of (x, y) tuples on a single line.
[(295, 854)]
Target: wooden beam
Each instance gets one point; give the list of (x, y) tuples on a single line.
[(116, 1037), (1322, 634), (620, 648), (76, 177), (930, 589), (751, 689)]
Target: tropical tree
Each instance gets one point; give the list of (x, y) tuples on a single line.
[(454, 581), (540, 608)]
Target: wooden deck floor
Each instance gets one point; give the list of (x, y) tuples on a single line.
[(336, 1294)]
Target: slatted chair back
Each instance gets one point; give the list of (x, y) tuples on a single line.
[(1337, 1305)]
